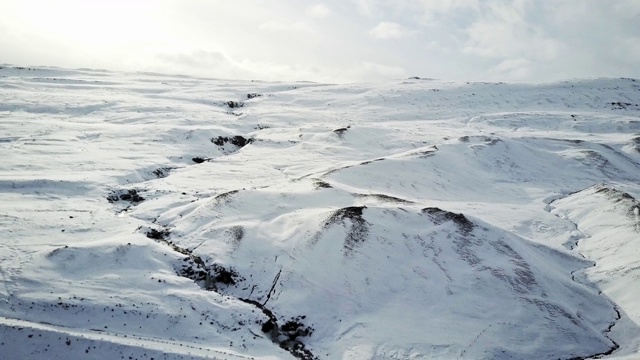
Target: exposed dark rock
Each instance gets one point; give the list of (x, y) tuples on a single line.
[(351, 212), (286, 336), (240, 141), (619, 105), (219, 140), (319, 184), (385, 198), (253, 95), (294, 329), (236, 140), (236, 233), (209, 277), (234, 104), (225, 276), (198, 160), (439, 216), (341, 131), (487, 140), (359, 229), (622, 198), (370, 161), (130, 195), (225, 196), (156, 234), (614, 194), (161, 172)]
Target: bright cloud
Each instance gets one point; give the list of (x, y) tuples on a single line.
[(390, 30), (329, 40), (275, 25), (318, 11)]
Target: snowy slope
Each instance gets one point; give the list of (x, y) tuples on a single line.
[(158, 216)]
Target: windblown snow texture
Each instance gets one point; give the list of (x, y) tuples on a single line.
[(149, 216)]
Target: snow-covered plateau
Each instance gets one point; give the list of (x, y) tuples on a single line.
[(148, 216)]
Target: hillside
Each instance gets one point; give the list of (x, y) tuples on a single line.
[(154, 216)]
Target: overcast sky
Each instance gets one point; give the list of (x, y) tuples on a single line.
[(329, 41)]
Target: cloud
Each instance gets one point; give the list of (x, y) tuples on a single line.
[(331, 40), (365, 7), (512, 70), (628, 49), (432, 8), (390, 30), (496, 39), (509, 33), (627, 8), (377, 71), (318, 11), (281, 25), (218, 64)]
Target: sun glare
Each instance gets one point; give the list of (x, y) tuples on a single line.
[(93, 23)]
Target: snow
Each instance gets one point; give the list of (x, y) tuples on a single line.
[(408, 219)]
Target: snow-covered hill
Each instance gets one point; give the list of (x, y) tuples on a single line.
[(153, 216)]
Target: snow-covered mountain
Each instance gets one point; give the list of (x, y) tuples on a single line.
[(148, 216)]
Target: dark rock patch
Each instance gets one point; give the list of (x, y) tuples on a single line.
[(227, 195), (162, 236), (209, 277), (162, 172), (614, 194), (635, 142), (440, 216), (631, 204), (370, 161), (155, 234), (235, 233), (619, 105), (216, 275), (319, 184), (487, 140), (341, 131), (132, 196), (385, 198), (253, 95), (219, 140), (359, 230), (234, 104), (199, 160), (237, 140), (288, 335), (351, 212), (292, 330), (522, 280)]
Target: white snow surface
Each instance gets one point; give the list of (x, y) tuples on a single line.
[(410, 219)]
